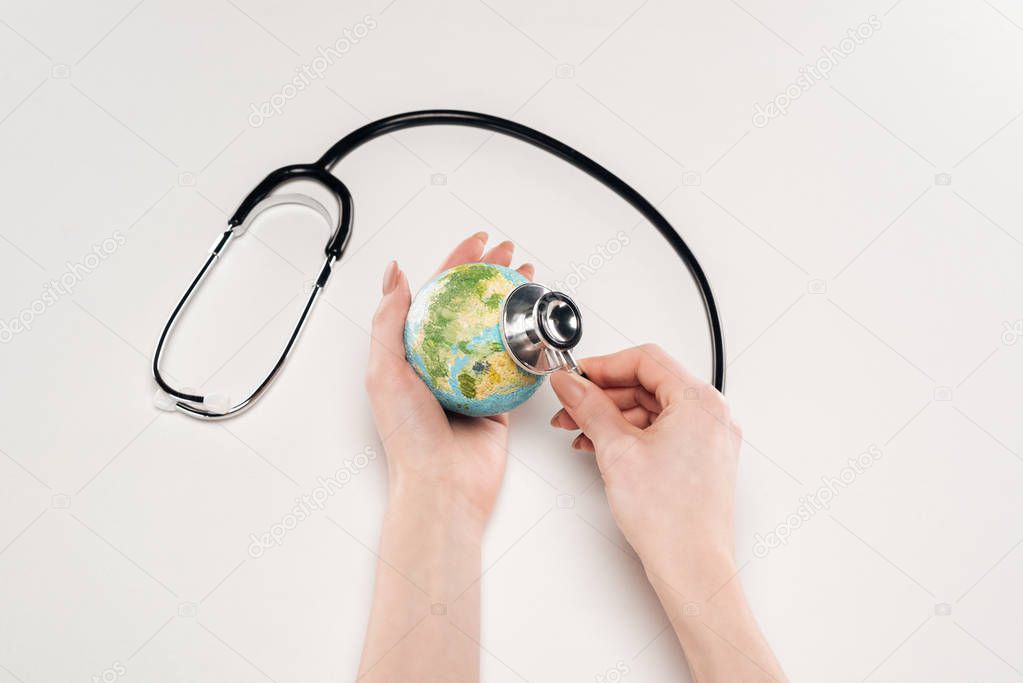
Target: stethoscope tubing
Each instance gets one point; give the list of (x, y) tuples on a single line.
[(321, 172), (454, 117)]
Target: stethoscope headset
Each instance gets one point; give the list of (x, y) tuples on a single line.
[(262, 197)]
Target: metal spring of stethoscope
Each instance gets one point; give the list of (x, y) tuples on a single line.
[(262, 198)]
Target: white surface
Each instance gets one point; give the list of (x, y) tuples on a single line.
[(124, 531)]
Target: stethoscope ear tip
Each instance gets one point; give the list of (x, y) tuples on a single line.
[(164, 401), (217, 403)]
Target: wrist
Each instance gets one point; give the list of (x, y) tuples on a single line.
[(444, 488), (701, 596), (429, 566), (432, 506), (431, 542), (693, 575), (713, 631)]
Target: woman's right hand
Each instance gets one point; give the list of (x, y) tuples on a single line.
[(667, 448)]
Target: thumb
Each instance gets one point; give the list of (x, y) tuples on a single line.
[(593, 410)]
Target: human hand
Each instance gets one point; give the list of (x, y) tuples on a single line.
[(439, 459), (667, 448), (444, 473)]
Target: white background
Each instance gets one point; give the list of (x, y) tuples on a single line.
[(867, 300)]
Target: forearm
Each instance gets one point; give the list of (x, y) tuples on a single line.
[(715, 627), (424, 624)]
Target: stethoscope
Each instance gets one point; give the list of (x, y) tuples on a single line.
[(262, 198)]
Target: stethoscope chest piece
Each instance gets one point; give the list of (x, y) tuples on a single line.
[(539, 328)]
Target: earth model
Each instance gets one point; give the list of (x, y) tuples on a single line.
[(453, 340)]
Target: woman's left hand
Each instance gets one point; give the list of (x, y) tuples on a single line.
[(433, 457)]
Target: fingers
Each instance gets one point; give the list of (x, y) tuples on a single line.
[(630, 397), (648, 366), (501, 254), (583, 443), (591, 409), (625, 399), (468, 250), (563, 420), (387, 349), (638, 417)]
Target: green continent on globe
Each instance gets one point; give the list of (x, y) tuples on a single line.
[(453, 340)]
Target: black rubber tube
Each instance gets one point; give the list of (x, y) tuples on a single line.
[(453, 117)]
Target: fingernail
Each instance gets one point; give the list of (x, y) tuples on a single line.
[(482, 236), (554, 420), (569, 388), (390, 277), (576, 441)]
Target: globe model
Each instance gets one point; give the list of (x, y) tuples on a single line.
[(453, 340)]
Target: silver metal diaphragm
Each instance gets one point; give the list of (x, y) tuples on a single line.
[(539, 328)]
